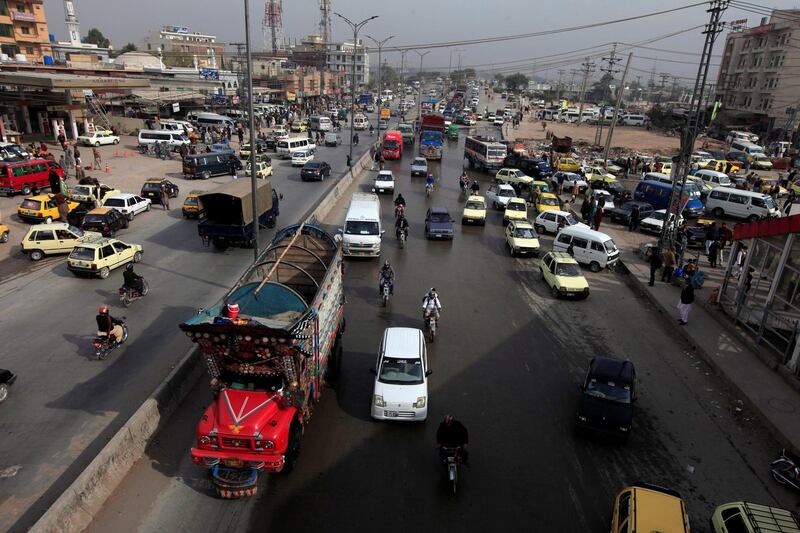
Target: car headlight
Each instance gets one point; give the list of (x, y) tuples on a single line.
[(624, 429), (582, 418), (379, 401), (420, 403)]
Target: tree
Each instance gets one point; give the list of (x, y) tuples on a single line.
[(516, 81), (95, 36), (499, 77), (130, 47), (599, 90)]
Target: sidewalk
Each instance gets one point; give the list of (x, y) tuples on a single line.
[(768, 393)]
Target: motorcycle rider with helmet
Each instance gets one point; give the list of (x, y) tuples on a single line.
[(108, 326), (401, 225), (431, 304), (386, 276), (452, 434), (132, 280)]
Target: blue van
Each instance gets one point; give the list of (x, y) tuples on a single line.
[(657, 194)]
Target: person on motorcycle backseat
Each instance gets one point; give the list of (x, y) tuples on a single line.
[(386, 276), (452, 434), (401, 224), (431, 304), (107, 325), (132, 280)]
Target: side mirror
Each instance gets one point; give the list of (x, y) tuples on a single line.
[(373, 371), (428, 372), (383, 231)]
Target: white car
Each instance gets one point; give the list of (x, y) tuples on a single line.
[(498, 120), (301, 157), (469, 121), (552, 220), (401, 377), (655, 221), (98, 138), (498, 194), (570, 178), (384, 182), (604, 198), (127, 204)]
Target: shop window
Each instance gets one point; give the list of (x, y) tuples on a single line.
[(6, 30)]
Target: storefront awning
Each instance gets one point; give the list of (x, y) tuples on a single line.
[(767, 228), (56, 81)]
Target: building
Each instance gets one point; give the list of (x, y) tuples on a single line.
[(23, 30), (757, 72), (74, 50), (179, 47), (311, 52), (340, 59)]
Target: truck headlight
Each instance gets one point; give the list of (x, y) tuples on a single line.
[(420, 403), (205, 440), (264, 444), (379, 401)]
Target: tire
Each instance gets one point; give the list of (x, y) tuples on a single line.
[(292, 449), (753, 218), (219, 244), (3, 392), (205, 175), (130, 217), (148, 206), (554, 292), (26, 190), (125, 223), (137, 257), (594, 266), (126, 301), (539, 229), (116, 141), (97, 144), (104, 272), (145, 288), (718, 212), (4, 237), (36, 255)]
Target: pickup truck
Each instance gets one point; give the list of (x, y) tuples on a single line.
[(227, 217)]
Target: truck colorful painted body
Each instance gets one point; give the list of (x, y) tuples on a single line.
[(431, 136), (268, 363)]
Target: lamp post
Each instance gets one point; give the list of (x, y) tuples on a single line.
[(419, 94), (380, 84), (251, 118), (356, 26)]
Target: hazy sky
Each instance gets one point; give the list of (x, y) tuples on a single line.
[(413, 22)]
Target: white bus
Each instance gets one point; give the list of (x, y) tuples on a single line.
[(484, 153), (286, 147)]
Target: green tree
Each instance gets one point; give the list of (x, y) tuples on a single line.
[(499, 77), (599, 90), (130, 47), (95, 36), (516, 81)]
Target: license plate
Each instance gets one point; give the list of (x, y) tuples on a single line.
[(234, 463), (390, 413)]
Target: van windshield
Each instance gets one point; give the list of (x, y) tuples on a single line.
[(610, 246), (361, 227)]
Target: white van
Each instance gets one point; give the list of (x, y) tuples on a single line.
[(360, 122), (175, 125), (741, 204), (590, 247), (741, 136), (387, 95), (632, 120), (320, 123), (361, 234), (747, 147), (175, 139), (213, 120), (714, 178), (286, 147)]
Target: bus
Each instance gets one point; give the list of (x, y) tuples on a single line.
[(392, 145), (484, 152)]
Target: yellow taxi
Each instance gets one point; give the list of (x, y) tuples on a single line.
[(647, 507), (52, 239), (521, 238), (597, 173), (547, 201), (4, 233), (767, 182), (41, 208), (301, 126), (720, 165), (263, 169), (474, 211), (543, 186), (516, 209), (513, 177), (569, 164), (192, 206), (607, 165), (563, 275), (98, 257)]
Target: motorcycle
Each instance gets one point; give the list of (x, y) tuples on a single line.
[(399, 210), (464, 186), (428, 190), (386, 289), (104, 344), (127, 295), (402, 235), (786, 470), (430, 326), (7, 379), (452, 459)]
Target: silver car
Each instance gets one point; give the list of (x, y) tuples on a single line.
[(419, 167)]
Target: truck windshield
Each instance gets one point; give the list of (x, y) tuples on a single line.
[(401, 371), (391, 144), (431, 136), (361, 227)]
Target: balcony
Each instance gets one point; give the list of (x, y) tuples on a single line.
[(23, 16)]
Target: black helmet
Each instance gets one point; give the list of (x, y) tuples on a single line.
[(129, 267)]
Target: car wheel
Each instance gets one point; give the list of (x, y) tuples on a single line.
[(130, 217), (125, 223), (753, 218), (594, 266), (97, 143), (539, 228), (148, 207), (4, 237), (26, 190), (3, 392), (205, 175), (104, 272), (137, 257), (36, 255), (718, 212), (116, 141), (554, 292)]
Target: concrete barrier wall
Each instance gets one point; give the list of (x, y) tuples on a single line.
[(75, 509)]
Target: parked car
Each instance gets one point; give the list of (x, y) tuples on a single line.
[(98, 257), (401, 373), (563, 275), (152, 189), (91, 195), (419, 167), (438, 224), (104, 220), (53, 239), (97, 139), (128, 204), (607, 396), (315, 170), (521, 238), (622, 214)]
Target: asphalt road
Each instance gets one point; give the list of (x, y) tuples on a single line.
[(65, 405), (507, 361)]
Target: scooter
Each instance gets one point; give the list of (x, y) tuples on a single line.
[(428, 190), (104, 344), (786, 471), (128, 295), (386, 290)]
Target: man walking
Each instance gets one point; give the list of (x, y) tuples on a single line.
[(164, 199), (712, 234), (98, 161), (656, 262), (685, 303), (725, 237), (633, 222)]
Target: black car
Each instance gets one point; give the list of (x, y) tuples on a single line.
[(738, 156), (315, 170), (105, 220), (7, 378), (695, 236), (438, 224), (615, 188), (529, 165), (152, 189), (607, 397), (622, 214)]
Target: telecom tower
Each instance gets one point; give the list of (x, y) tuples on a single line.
[(325, 21), (273, 25)]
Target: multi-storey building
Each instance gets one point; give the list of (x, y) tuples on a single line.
[(182, 48), (758, 72), (23, 30), (340, 59)]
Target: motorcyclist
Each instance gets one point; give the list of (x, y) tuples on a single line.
[(452, 434), (475, 187), (371, 129), (463, 181), (401, 224), (132, 280), (431, 304), (108, 326), (399, 200), (386, 276)]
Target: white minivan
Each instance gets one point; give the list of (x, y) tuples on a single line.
[(741, 204), (632, 120), (173, 138), (401, 377), (361, 234), (360, 122), (590, 247), (213, 120), (747, 147), (713, 178), (287, 147), (320, 123)]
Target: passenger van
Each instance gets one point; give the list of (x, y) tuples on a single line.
[(203, 166), (658, 194), (741, 204), (361, 234), (175, 139), (26, 175), (632, 120), (714, 178), (176, 125), (589, 247), (286, 147), (320, 123), (747, 147), (213, 120), (646, 507), (360, 122)]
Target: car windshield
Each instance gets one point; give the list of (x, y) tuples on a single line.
[(608, 391), (115, 202), (94, 219), (508, 193), (549, 201), (31, 204), (524, 233), (571, 220), (439, 217), (82, 253), (420, 163), (401, 372), (361, 227), (190, 200), (610, 246), (475, 205), (568, 269), (81, 190), (516, 206), (385, 177)]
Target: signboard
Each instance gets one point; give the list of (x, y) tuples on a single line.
[(235, 100), (176, 107), (290, 96), (219, 99), (288, 65), (209, 73)]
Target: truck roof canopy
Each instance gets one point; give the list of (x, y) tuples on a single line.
[(231, 203)]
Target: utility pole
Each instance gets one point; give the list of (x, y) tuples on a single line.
[(380, 68), (403, 66), (419, 93), (251, 119), (588, 68), (651, 84), (572, 72), (558, 86), (620, 92), (610, 68), (692, 123), (240, 47)]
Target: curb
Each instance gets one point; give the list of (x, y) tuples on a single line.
[(77, 506), (639, 287)]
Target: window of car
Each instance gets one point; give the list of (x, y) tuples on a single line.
[(623, 512), (359, 227), (524, 233), (115, 202), (579, 242), (44, 235), (439, 217), (20, 170), (107, 251), (610, 246), (737, 199), (39, 167), (82, 253), (550, 217), (720, 195), (734, 523), (31, 204), (62, 234), (401, 371), (120, 247), (564, 238), (597, 246), (608, 389)]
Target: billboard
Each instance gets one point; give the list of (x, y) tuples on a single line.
[(209, 73)]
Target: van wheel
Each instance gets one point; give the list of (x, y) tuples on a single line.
[(753, 218), (36, 255), (205, 175), (594, 266), (718, 212), (26, 190), (292, 449)]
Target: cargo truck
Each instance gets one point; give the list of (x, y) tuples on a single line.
[(227, 217), (431, 136)]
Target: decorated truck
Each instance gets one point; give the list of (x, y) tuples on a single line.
[(269, 344), (431, 136), (227, 217)]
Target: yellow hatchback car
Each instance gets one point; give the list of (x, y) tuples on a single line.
[(563, 275), (192, 206), (516, 209), (41, 208), (521, 238), (547, 201), (52, 239), (299, 127), (263, 169), (513, 177), (98, 257), (569, 164), (4, 233), (647, 507), (474, 211)]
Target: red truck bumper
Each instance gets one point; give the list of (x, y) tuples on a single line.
[(272, 463)]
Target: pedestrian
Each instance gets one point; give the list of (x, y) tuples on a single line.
[(669, 266), (62, 162), (633, 220), (184, 151), (560, 183), (98, 161), (63, 207), (712, 254), (712, 234), (585, 207), (62, 139), (55, 182), (656, 261), (69, 159), (78, 160), (725, 237), (685, 303), (738, 263), (164, 199), (598, 217), (233, 170), (349, 161), (240, 134), (787, 205)]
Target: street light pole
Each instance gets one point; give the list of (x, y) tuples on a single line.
[(251, 118), (380, 80), (356, 26), (419, 93)]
